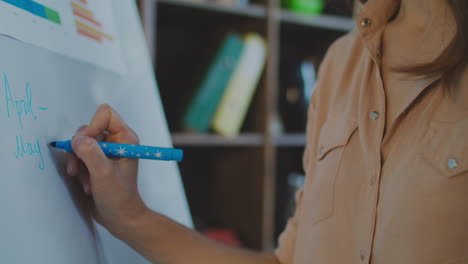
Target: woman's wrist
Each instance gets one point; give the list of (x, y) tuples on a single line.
[(146, 233), (131, 222)]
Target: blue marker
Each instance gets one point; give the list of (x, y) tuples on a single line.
[(129, 151)]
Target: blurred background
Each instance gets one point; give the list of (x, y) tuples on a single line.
[(235, 78)]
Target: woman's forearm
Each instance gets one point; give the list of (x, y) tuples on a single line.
[(164, 241)]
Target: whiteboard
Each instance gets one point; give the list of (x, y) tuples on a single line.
[(46, 96)]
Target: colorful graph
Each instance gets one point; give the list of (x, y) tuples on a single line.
[(86, 23), (36, 9)]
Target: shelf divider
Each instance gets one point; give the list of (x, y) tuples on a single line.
[(212, 140), (291, 140)]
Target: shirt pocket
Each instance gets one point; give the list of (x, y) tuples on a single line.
[(334, 136), (446, 149)]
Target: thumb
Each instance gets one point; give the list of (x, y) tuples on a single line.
[(88, 150)]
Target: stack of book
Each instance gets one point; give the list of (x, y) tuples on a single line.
[(223, 97)]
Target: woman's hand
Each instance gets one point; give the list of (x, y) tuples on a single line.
[(111, 183)]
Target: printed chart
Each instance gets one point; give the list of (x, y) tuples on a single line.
[(93, 30), (36, 9), (81, 29)]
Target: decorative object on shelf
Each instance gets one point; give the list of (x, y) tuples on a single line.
[(203, 106), (304, 6), (297, 83), (241, 87)]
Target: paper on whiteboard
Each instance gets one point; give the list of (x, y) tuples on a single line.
[(81, 29)]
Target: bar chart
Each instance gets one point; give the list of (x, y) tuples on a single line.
[(36, 9), (86, 23), (81, 29)]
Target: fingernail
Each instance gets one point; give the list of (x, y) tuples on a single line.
[(86, 189), (78, 140), (80, 130), (70, 169)]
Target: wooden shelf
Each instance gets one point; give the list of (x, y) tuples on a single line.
[(330, 22), (290, 140), (256, 11), (212, 140)]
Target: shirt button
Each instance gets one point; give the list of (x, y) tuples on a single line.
[(363, 255), (366, 22), (321, 150), (372, 181), (374, 115), (452, 163), (379, 53)]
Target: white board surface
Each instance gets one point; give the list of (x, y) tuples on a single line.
[(42, 219)]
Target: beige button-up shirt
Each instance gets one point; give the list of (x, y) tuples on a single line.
[(387, 172)]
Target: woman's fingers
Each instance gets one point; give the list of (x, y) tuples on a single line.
[(81, 129), (106, 125), (85, 182), (107, 119), (73, 164), (88, 150)]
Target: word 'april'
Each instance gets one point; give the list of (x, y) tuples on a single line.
[(22, 109)]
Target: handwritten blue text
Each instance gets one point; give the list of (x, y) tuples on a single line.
[(29, 149)]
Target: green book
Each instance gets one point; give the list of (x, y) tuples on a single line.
[(203, 105)]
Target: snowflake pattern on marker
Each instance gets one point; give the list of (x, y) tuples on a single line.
[(144, 152), (121, 151)]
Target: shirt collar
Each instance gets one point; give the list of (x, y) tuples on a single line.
[(372, 20)]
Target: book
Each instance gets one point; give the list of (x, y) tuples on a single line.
[(241, 87), (203, 105)]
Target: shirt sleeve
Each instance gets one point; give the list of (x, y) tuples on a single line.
[(287, 239)]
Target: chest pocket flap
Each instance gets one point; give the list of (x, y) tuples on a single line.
[(334, 136), (335, 133), (448, 148)]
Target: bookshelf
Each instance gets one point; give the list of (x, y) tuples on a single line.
[(252, 10), (236, 183)]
